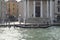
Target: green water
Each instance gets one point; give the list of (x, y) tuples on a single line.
[(51, 33)]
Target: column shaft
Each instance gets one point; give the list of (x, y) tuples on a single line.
[(34, 8), (28, 8), (51, 10), (47, 9), (41, 9), (25, 10)]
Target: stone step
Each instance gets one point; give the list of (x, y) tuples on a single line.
[(37, 20)]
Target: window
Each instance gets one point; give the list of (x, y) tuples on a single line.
[(13, 4), (8, 9), (58, 6), (58, 2), (13, 8), (58, 9)]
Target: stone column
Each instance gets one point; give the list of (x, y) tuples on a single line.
[(34, 8), (51, 10), (47, 9), (41, 9), (28, 8), (24, 10)]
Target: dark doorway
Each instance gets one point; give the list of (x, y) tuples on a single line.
[(37, 11), (58, 18)]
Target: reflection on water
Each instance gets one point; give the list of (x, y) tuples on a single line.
[(52, 33)]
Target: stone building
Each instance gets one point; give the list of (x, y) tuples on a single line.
[(12, 8), (57, 10), (34, 9), (2, 10), (37, 9)]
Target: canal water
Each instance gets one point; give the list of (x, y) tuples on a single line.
[(51, 33)]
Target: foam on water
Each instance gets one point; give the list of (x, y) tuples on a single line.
[(52, 33), (10, 33)]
